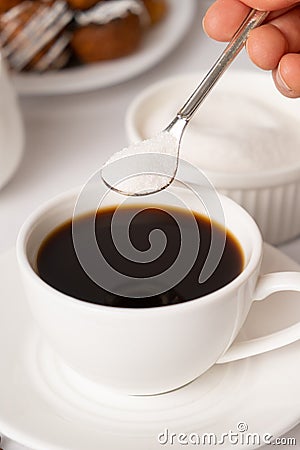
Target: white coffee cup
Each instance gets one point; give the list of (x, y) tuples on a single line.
[(151, 350)]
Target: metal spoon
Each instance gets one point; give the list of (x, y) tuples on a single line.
[(177, 126)]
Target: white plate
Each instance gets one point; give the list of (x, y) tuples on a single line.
[(156, 45), (44, 408)]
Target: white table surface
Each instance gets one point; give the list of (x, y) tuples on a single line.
[(68, 137)]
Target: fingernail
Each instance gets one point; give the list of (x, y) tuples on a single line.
[(280, 80), (203, 26), (246, 46)]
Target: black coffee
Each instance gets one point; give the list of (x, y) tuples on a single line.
[(58, 264)]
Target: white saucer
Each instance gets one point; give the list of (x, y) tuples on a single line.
[(43, 406)]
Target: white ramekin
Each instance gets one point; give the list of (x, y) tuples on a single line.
[(271, 196)]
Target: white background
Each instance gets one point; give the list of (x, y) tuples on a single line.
[(69, 137)]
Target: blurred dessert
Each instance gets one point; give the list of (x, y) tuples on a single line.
[(32, 35), (5, 5), (111, 29), (42, 35), (157, 10), (82, 4)]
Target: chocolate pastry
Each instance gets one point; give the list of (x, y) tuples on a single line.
[(110, 30), (32, 35)]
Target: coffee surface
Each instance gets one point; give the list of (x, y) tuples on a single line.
[(58, 264)]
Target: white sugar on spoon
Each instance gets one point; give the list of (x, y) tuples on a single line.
[(151, 165), (143, 168)]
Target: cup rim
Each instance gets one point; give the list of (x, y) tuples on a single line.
[(25, 266), (222, 180)]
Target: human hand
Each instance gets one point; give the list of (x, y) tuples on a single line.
[(275, 45)]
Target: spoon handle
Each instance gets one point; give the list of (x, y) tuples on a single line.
[(253, 19)]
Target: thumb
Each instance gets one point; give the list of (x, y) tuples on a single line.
[(270, 5)]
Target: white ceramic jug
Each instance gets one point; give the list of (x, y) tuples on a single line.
[(11, 127)]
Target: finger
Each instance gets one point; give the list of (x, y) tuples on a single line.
[(223, 18), (289, 25), (270, 5), (287, 76), (266, 46), (278, 13)]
